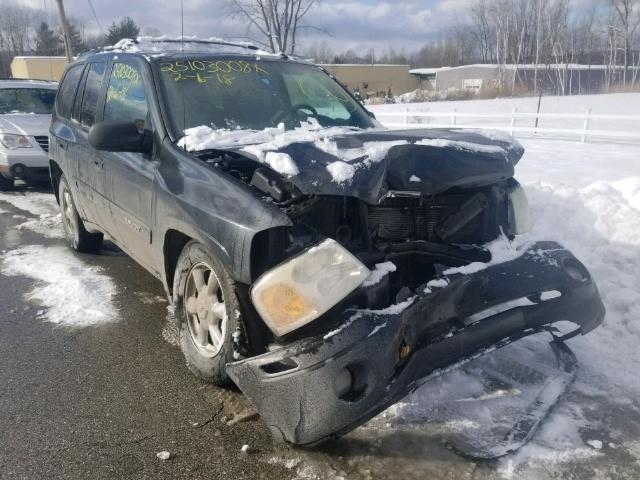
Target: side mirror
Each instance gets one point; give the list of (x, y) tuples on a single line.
[(119, 136)]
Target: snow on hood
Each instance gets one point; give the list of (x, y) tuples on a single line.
[(367, 163), (25, 123)]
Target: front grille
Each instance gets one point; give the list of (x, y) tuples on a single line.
[(401, 219), (43, 141)]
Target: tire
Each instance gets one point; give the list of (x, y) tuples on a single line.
[(77, 236), (208, 315), (6, 184)]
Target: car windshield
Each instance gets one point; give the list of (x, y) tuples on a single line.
[(27, 100), (235, 93)]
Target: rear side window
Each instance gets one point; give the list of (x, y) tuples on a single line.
[(67, 91), (91, 93), (126, 98)]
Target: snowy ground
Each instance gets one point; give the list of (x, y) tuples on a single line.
[(587, 196), (616, 103)]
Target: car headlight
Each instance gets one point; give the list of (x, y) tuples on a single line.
[(12, 141), (306, 286), (519, 212)]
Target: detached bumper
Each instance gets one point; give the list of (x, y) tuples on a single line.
[(328, 385)]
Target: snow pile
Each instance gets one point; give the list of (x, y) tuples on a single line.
[(259, 141), (49, 226), (38, 204), (369, 153), (73, 293), (341, 172), (378, 273), (281, 163)]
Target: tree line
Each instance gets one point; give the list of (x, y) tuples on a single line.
[(518, 32), (30, 31)]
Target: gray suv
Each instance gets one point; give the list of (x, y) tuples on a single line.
[(322, 263)]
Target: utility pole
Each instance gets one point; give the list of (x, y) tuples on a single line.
[(66, 35)]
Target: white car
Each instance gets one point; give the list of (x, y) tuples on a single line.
[(25, 114)]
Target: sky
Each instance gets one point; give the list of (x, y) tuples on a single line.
[(342, 24)]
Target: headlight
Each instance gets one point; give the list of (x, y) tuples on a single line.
[(12, 141), (519, 213), (303, 288)]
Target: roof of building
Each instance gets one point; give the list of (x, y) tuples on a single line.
[(396, 65), (526, 66)]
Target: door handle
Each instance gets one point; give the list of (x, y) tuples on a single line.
[(63, 145)]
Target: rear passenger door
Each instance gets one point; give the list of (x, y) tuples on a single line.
[(91, 175), (130, 176), (62, 138)]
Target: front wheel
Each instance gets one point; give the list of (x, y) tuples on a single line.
[(208, 313), (78, 237)]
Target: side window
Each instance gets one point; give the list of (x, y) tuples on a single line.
[(67, 91), (91, 93), (126, 98)]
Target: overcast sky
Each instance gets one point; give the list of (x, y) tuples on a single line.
[(349, 23)]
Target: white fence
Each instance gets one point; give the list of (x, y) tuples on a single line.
[(509, 122)]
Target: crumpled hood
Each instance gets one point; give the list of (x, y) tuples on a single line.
[(25, 124), (369, 164)]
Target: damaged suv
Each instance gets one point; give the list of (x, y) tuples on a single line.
[(325, 265)]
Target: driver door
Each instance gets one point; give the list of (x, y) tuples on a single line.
[(130, 176)]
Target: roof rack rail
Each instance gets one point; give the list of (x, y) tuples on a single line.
[(199, 40)]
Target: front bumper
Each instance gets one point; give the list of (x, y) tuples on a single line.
[(325, 386), (31, 164)]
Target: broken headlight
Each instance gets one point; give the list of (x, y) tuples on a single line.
[(12, 141), (519, 213), (306, 286)]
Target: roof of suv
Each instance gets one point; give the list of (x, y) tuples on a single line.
[(158, 47), (27, 83)]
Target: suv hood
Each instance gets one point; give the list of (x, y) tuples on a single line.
[(368, 164), (25, 124)]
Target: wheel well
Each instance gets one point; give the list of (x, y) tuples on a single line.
[(55, 172), (174, 242)]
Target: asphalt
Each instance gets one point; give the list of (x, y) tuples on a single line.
[(102, 401)]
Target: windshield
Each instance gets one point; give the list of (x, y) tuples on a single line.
[(234, 93), (27, 100)]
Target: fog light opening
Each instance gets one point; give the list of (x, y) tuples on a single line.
[(350, 383)]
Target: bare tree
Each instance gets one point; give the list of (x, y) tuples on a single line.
[(277, 21), (628, 13)]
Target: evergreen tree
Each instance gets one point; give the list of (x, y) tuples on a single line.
[(127, 28), (46, 41), (77, 43)]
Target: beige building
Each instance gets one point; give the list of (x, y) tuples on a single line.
[(374, 80), (38, 68)]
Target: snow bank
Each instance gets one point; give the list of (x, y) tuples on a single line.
[(73, 293)]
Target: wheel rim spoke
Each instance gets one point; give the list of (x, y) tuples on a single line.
[(212, 286), (192, 305), (198, 278)]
